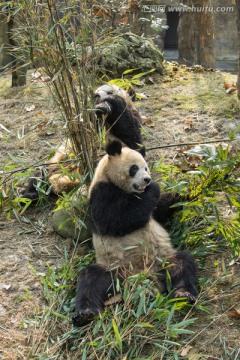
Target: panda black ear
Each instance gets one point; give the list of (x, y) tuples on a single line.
[(142, 151), (114, 147)]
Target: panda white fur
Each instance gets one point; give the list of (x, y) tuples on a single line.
[(127, 239), (103, 91)]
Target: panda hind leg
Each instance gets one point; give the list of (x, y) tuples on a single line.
[(183, 273), (95, 285)]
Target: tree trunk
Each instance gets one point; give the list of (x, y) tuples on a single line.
[(4, 55), (19, 70), (196, 35), (186, 38)]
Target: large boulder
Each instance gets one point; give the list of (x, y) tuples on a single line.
[(130, 51), (68, 226)]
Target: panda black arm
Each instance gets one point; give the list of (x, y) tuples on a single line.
[(122, 121), (125, 124), (163, 211), (117, 213)]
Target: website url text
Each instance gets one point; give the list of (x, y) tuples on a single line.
[(194, 9)]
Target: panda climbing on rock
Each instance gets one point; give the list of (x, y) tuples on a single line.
[(115, 112), (124, 203)]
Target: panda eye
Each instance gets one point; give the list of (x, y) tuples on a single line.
[(133, 170), (146, 169)]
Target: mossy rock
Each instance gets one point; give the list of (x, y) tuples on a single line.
[(130, 51), (64, 225)]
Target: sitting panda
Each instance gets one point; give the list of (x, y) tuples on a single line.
[(125, 203), (115, 111)]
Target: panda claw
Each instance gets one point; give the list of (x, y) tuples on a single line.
[(83, 317), (182, 293)]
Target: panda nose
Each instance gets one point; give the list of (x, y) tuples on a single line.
[(147, 180)]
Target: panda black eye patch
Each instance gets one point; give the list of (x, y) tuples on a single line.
[(133, 170)]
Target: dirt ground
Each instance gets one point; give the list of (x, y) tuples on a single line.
[(183, 106)]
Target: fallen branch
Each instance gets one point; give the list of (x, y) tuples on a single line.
[(37, 164), (34, 165), (186, 144)]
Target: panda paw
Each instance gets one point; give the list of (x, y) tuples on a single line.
[(182, 293), (32, 195), (83, 317), (103, 108)]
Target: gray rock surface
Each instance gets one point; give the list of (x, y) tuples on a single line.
[(66, 227), (130, 51)]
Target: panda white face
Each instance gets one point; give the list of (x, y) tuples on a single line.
[(140, 178), (128, 170), (110, 89)]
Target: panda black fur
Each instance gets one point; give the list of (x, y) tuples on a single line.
[(123, 198)]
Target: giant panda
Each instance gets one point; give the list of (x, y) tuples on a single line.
[(127, 238), (122, 120), (115, 111)]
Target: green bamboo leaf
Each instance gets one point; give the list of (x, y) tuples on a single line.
[(181, 331), (137, 82), (140, 308), (61, 316), (129, 71), (233, 133), (142, 74), (84, 354), (170, 316), (183, 323), (145, 325), (119, 82), (16, 159), (117, 334)]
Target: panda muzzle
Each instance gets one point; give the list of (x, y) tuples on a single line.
[(139, 188), (144, 183)]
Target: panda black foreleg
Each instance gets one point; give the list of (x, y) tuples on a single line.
[(95, 284), (183, 273), (123, 122), (163, 211)]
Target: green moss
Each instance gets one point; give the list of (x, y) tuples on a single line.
[(203, 92), (5, 84)]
